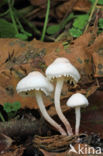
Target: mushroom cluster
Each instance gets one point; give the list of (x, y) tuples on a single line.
[(60, 70), (38, 83)]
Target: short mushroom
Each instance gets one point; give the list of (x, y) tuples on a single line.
[(61, 69), (37, 82), (77, 101)]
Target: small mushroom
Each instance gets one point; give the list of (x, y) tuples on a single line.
[(61, 69), (38, 83), (77, 101)]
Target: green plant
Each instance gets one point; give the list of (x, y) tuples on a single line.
[(80, 21), (57, 27), (100, 25), (100, 2), (91, 14), (13, 28), (12, 108), (4, 31), (75, 32), (79, 25)]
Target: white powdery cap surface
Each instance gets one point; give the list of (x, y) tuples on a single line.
[(62, 67), (77, 100), (35, 81)]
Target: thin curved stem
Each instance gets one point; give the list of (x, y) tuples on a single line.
[(12, 16), (46, 21), (4, 13), (46, 115), (91, 14), (78, 117), (2, 118), (58, 89)]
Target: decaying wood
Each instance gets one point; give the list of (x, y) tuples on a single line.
[(24, 128)]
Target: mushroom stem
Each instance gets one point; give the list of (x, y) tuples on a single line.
[(58, 90), (46, 115), (78, 117)]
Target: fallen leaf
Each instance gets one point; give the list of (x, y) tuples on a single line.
[(19, 58), (82, 5), (62, 9), (69, 5)]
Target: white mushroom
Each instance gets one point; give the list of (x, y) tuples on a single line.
[(77, 101), (61, 69), (38, 82)]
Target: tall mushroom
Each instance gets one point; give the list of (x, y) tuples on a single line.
[(61, 69), (77, 101), (38, 83)]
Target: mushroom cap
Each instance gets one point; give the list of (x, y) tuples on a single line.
[(34, 81), (77, 100), (62, 67)]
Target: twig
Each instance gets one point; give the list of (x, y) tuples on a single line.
[(91, 14)]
